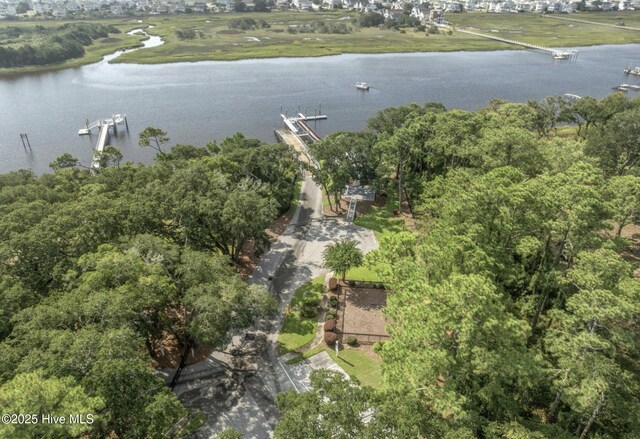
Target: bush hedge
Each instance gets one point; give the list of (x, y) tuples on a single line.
[(330, 325), (330, 338)]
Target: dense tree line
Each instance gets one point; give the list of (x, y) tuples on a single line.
[(41, 46), (514, 313), (98, 272)]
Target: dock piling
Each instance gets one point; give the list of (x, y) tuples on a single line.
[(23, 138)]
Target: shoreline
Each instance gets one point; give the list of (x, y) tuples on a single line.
[(75, 63), (215, 43)]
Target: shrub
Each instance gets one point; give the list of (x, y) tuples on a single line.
[(333, 301), (308, 312), (309, 307), (377, 347), (330, 325), (185, 34), (330, 338), (329, 317), (332, 312), (352, 341)]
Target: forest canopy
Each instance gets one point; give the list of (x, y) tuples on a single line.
[(39, 45), (100, 273), (515, 309)]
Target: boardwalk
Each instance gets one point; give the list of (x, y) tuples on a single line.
[(103, 135), (296, 143), (103, 138), (296, 133), (565, 54)]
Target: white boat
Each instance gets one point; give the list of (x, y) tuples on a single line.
[(561, 55), (83, 132), (362, 86), (632, 71), (621, 87)]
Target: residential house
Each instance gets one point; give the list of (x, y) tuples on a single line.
[(421, 12), (330, 4), (452, 7), (393, 14), (303, 5)]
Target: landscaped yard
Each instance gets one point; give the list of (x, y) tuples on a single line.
[(356, 363), (383, 222), (381, 219), (298, 331)]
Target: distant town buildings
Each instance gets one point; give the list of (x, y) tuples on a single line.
[(424, 10)]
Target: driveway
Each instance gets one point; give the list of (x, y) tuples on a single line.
[(237, 389)]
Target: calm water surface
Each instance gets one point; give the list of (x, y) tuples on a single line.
[(199, 102)]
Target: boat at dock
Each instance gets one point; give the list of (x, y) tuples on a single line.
[(621, 87), (362, 86), (559, 54), (632, 71)]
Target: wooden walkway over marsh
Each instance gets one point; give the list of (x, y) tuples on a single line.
[(556, 53)]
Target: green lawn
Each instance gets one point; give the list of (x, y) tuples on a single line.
[(298, 331), (381, 220), (357, 364), (364, 273)]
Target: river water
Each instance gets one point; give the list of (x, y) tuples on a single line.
[(199, 102)]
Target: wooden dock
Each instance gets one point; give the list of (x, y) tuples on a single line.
[(297, 134), (103, 135), (556, 53)]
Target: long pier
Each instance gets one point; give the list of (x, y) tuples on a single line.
[(556, 53), (298, 133), (103, 135)]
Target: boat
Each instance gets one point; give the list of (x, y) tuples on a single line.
[(632, 71), (621, 87), (572, 97), (362, 86), (84, 132), (561, 55)]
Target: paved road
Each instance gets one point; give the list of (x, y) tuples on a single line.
[(239, 390)]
